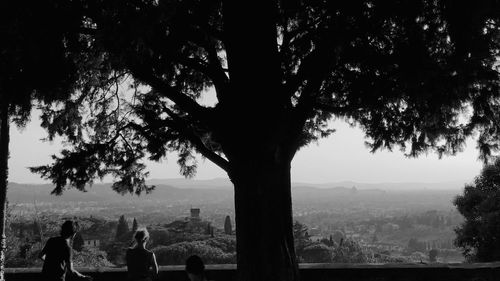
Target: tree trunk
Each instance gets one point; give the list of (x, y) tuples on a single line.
[(255, 142), (264, 223), (4, 158)]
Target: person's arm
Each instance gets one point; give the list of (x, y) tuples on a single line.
[(128, 259), (69, 264), (154, 264), (72, 270)]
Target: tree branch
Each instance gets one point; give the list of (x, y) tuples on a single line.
[(312, 73), (182, 127), (184, 102), (213, 70)]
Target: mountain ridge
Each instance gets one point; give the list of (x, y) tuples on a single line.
[(173, 190)]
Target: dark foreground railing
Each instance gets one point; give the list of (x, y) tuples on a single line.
[(309, 272)]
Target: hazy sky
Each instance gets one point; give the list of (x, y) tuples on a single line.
[(342, 156)]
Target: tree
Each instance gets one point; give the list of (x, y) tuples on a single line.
[(317, 253), (433, 255), (301, 239), (91, 257), (178, 253), (480, 206), (14, 242), (135, 226), (228, 228), (78, 242), (37, 38), (403, 72), (122, 228), (349, 251), (338, 236), (208, 229), (414, 245)]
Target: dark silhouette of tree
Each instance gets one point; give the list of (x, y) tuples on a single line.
[(177, 253), (122, 228), (135, 226), (349, 251), (327, 242), (301, 239), (480, 206), (338, 236), (36, 64), (433, 255), (416, 245), (228, 228), (78, 242), (402, 71), (37, 231), (208, 229), (317, 253)]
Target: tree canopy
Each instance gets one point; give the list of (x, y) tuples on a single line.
[(419, 76), (122, 230), (38, 39), (480, 206), (228, 228)]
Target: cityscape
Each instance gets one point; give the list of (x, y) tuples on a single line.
[(332, 225)]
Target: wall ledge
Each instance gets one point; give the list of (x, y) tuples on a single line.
[(210, 267)]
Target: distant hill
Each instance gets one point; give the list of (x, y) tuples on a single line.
[(392, 186), (183, 191), (225, 183), (27, 193), (217, 183)]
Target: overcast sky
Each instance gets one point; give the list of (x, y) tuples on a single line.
[(342, 156)]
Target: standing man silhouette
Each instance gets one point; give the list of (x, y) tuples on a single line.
[(57, 255)]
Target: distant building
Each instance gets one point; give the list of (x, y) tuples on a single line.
[(192, 224), (388, 227), (314, 231), (91, 242), (94, 243), (195, 214)]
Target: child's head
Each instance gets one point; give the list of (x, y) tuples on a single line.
[(68, 229), (194, 266), (141, 235)]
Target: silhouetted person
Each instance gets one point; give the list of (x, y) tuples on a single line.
[(195, 269), (57, 254), (140, 260)]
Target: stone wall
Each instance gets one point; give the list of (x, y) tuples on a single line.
[(309, 272)]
